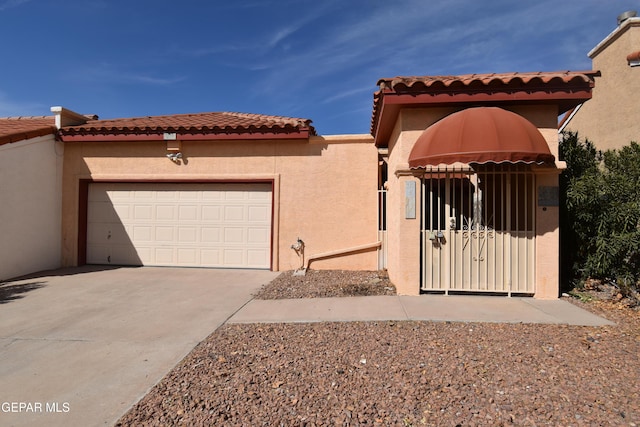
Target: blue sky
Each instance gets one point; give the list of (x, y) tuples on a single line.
[(316, 59)]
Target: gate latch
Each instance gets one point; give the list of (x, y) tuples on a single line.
[(436, 237)]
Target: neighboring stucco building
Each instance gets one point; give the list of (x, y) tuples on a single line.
[(610, 119), (31, 194), (31, 161)]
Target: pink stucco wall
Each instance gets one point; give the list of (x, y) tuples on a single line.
[(325, 189), (404, 243)]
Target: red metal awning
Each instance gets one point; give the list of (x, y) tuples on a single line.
[(480, 135)]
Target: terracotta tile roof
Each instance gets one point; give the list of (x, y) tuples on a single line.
[(562, 87), (14, 129), (216, 123), (471, 81)]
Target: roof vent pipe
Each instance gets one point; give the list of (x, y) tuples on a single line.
[(626, 15)]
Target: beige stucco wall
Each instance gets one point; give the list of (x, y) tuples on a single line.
[(324, 190), (547, 263), (30, 217), (609, 119), (404, 234)]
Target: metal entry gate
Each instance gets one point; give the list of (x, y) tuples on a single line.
[(478, 230)]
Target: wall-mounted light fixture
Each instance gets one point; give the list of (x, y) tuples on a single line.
[(174, 147), (175, 157)]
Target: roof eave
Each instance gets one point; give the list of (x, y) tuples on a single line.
[(67, 136), (392, 102), (614, 35), (21, 136)]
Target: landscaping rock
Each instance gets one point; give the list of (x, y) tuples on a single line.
[(404, 373)]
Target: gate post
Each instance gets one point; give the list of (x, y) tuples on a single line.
[(403, 232), (547, 265)]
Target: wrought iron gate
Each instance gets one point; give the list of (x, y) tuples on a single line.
[(382, 228), (478, 230)]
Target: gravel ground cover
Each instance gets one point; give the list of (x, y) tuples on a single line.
[(327, 283), (405, 373)]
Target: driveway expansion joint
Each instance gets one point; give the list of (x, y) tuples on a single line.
[(13, 339)]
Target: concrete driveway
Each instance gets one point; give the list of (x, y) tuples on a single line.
[(78, 347)]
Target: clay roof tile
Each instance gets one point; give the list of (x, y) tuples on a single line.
[(200, 123), (14, 129), (477, 83)]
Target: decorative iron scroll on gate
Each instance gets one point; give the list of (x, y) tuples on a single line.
[(478, 229)]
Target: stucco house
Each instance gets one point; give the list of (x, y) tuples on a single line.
[(457, 185), (217, 190), (471, 171), (608, 120), (454, 190)]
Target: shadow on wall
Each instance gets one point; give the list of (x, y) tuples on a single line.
[(222, 149), (108, 241)]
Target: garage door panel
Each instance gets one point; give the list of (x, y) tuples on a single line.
[(142, 233), (233, 235), (211, 235), (264, 196), (104, 213), (116, 196), (235, 195), (258, 236), (120, 211), (258, 214), (212, 225), (98, 254), (189, 195), (234, 213), (211, 213), (188, 256), (162, 256), (108, 233), (98, 233), (142, 212), (123, 254), (166, 213), (142, 194), (188, 234), (212, 195), (188, 213), (211, 257), (233, 257), (163, 234), (167, 195), (257, 257)]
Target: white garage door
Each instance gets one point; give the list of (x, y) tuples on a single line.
[(191, 225)]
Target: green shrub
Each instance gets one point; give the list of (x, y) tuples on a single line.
[(600, 213)]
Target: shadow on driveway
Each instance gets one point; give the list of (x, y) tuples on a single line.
[(95, 339), (9, 292), (16, 287)]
